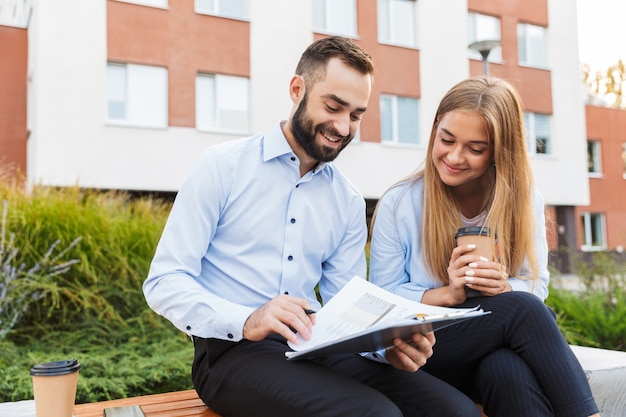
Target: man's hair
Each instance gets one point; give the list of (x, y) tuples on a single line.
[(312, 64)]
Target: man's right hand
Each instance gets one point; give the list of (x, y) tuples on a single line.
[(284, 315)]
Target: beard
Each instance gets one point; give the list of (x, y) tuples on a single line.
[(305, 132)]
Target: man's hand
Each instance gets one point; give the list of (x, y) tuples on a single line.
[(284, 315), (412, 355)]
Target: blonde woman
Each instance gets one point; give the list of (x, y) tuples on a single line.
[(515, 362)]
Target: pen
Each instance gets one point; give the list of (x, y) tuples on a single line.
[(307, 311)]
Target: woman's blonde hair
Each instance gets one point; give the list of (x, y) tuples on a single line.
[(508, 181)]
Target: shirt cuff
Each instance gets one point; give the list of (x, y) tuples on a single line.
[(378, 356)]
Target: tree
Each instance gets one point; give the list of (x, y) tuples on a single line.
[(606, 88)]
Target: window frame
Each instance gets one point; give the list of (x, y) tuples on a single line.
[(593, 222), (395, 123), (594, 158), (473, 35), (385, 9), (624, 160), (325, 27), (530, 131), (214, 105), (215, 10), (527, 55), (159, 4), (135, 103)]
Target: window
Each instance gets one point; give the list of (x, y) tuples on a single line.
[(624, 159), (594, 231), (235, 9), (537, 133), (222, 103), (396, 22), (336, 17), (137, 95), (154, 3), (484, 28), (594, 157), (398, 120), (532, 46)]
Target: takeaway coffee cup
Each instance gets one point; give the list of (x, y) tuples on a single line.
[(481, 237), (54, 386)]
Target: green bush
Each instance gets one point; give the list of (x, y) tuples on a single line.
[(96, 311), (595, 316)]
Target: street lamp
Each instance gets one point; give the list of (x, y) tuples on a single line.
[(484, 48)]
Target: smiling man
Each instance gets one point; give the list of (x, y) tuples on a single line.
[(258, 224)]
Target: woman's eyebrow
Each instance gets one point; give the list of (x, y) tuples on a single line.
[(477, 141), (447, 132)]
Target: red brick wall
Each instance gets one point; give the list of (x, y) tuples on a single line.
[(13, 70)]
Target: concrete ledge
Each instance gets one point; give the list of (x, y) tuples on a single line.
[(605, 369), (606, 372)]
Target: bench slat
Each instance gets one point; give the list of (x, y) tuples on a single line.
[(171, 404)]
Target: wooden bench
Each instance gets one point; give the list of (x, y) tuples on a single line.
[(171, 404)]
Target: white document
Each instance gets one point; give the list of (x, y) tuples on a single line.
[(363, 317)]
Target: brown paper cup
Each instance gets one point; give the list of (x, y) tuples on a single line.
[(479, 236), (54, 386)]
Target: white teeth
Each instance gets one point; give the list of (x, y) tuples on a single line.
[(330, 138)]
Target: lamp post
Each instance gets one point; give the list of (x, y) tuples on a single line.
[(484, 48)]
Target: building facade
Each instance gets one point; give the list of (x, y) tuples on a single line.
[(602, 223), (124, 94)]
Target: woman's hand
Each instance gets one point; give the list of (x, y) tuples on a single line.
[(457, 268), (487, 277), (467, 270)]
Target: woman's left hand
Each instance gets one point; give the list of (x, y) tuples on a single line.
[(487, 277)]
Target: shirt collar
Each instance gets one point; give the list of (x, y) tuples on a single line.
[(275, 145)]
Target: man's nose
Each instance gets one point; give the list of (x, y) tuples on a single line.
[(342, 124)]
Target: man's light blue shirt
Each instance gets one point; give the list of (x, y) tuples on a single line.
[(245, 227)]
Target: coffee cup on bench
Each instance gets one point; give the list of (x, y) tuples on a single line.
[(54, 387)]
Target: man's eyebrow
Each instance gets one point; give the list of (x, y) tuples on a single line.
[(342, 102)]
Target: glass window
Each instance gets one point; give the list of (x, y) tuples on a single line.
[(396, 22), (532, 46), (337, 17), (624, 159), (235, 9), (155, 3), (538, 133), (137, 95), (594, 231), (398, 119), (593, 157), (222, 103), (482, 27)]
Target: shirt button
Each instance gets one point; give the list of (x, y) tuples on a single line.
[(293, 158), (230, 335), (293, 221), (290, 258), (188, 327)]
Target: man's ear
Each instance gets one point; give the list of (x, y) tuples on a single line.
[(296, 88)]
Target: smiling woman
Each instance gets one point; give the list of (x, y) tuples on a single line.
[(477, 174)]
